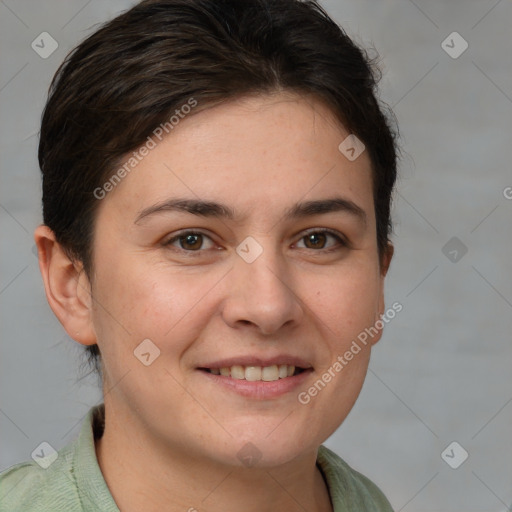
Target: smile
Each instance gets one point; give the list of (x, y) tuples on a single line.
[(256, 373), (258, 382)]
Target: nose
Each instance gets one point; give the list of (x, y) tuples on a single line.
[(261, 294)]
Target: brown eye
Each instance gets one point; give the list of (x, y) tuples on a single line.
[(319, 239), (190, 241)]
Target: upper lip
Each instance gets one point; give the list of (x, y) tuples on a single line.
[(258, 361)]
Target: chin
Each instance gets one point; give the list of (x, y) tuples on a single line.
[(269, 449)]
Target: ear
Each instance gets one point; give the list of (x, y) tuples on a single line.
[(386, 259), (67, 287), (385, 262)]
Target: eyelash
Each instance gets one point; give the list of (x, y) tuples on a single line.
[(342, 242)]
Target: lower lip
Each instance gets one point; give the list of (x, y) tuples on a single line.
[(259, 389)]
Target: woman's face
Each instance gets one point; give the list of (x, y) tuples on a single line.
[(261, 286)]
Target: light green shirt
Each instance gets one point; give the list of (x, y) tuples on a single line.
[(74, 483)]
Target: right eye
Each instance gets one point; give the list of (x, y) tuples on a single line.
[(189, 241)]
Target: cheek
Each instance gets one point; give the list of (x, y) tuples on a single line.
[(163, 305), (343, 306), (346, 302)]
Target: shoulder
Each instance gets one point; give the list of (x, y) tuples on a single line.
[(32, 488), (69, 480), (349, 489)]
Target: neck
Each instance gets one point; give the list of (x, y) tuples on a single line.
[(144, 475)]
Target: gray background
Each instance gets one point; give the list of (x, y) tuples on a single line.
[(441, 372)]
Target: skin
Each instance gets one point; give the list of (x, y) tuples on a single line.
[(172, 436)]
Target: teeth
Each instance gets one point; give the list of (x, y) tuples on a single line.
[(269, 373), (255, 373), (237, 372)]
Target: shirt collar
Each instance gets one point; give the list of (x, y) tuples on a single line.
[(92, 488)]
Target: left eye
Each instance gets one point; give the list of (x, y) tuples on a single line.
[(317, 239)]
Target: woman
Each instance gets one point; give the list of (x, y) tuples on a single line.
[(217, 180)]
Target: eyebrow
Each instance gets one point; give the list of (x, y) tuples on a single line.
[(214, 209)]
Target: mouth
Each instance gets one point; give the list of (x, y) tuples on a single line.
[(258, 377), (257, 373), (268, 382)]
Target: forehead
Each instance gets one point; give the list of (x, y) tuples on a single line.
[(255, 154)]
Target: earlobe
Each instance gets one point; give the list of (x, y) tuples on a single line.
[(66, 285)]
